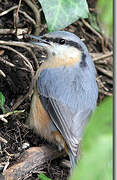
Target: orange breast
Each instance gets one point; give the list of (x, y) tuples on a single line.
[(41, 122), (39, 118)]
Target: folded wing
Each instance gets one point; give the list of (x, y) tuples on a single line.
[(62, 99)]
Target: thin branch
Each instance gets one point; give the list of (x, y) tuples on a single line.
[(8, 10), (105, 93), (108, 73), (10, 113), (20, 44), (26, 61), (109, 81), (103, 56), (6, 62), (28, 64), (37, 15), (3, 119), (3, 140), (13, 31), (95, 32), (23, 45), (20, 11), (19, 101), (12, 65), (28, 17), (16, 16), (7, 31), (65, 163), (2, 73), (3, 116)]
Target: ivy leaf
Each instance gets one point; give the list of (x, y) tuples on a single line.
[(97, 162), (105, 16), (93, 21), (43, 177), (61, 13), (2, 102)]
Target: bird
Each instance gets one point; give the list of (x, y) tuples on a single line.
[(65, 91)]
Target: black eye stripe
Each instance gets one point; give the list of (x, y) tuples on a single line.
[(67, 42), (70, 43)]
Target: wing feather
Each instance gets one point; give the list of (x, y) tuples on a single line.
[(64, 97)]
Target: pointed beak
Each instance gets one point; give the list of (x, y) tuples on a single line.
[(39, 41)]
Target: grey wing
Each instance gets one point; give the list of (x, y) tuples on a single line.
[(56, 96), (70, 125)]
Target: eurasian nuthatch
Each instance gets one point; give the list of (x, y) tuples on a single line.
[(65, 91)]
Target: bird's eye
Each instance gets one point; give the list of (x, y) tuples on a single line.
[(62, 41)]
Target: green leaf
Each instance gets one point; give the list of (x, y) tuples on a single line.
[(2, 102), (105, 15), (96, 163), (100, 122), (97, 157), (93, 21), (61, 13), (43, 177)]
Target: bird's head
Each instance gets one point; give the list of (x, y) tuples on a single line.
[(65, 47)]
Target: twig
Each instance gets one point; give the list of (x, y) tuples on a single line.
[(8, 154), (11, 113), (28, 64), (1, 52), (3, 119), (6, 165), (16, 16), (23, 45), (2, 73), (65, 163), (3, 116), (3, 140), (12, 65), (92, 9), (103, 56), (22, 98), (13, 31), (26, 61), (109, 81), (83, 30), (7, 31), (105, 93), (95, 32), (108, 73), (20, 44), (8, 10), (102, 62), (6, 62), (28, 17), (37, 15)]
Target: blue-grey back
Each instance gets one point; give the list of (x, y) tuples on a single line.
[(72, 93), (75, 86)]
